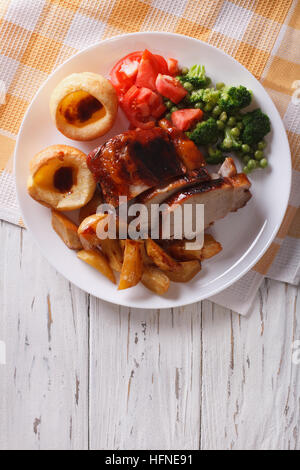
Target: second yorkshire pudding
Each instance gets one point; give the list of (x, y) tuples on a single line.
[(84, 106), (59, 178)]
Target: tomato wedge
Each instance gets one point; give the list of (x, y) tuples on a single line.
[(173, 68), (142, 106), (124, 73), (147, 71), (162, 65), (184, 119), (170, 87)]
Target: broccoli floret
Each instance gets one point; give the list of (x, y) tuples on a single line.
[(196, 96), (208, 95), (206, 132), (234, 98), (196, 76), (230, 142), (256, 126), (214, 156)]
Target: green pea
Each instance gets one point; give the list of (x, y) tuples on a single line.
[(235, 132), (246, 170), (223, 116), (188, 86), (216, 111), (251, 164), (246, 159), (220, 85), (227, 143), (258, 155), (231, 121), (261, 145), (220, 125), (263, 163), (245, 148), (198, 105), (173, 109), (184, 70), (240, 125), (208, 107), (169, 104), (168, 116)]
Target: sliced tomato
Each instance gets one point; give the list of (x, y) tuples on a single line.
[(184, 119), (173, 68), (135, 105), (124, 73), (147, 71), (153, 100), (161, 64), (130, 69), (145, 95), (159, 111), (170, 88)]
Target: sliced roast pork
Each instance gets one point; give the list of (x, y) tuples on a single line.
[(228, 168), (165, 190), (219, 196)]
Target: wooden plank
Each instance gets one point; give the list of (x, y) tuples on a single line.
[(167, 379), (44, 321), (145, 378), (250, 385)]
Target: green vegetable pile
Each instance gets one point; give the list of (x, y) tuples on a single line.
[(224, 128)]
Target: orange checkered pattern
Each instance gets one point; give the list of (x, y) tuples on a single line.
[(264, 35)]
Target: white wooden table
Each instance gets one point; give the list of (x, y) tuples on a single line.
[(82, 373)]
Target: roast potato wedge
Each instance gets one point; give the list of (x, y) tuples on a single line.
[(66, 230), (160, 257), (113, 252), (186, 271), (132, 268), (147, 261), (179, 252), (155, 280), (211, 247), (87, 230), (97, 260)]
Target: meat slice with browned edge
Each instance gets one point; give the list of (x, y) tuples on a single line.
[(138, 160), (164, 191), (219, 196)]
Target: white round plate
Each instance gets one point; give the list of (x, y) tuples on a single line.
[(245, 235)]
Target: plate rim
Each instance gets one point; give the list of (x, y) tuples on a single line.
[(175, 303)]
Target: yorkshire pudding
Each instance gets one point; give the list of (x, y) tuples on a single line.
[(59, 178), (84, 106)]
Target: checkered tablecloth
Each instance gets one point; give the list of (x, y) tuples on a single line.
[(264, 35)]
